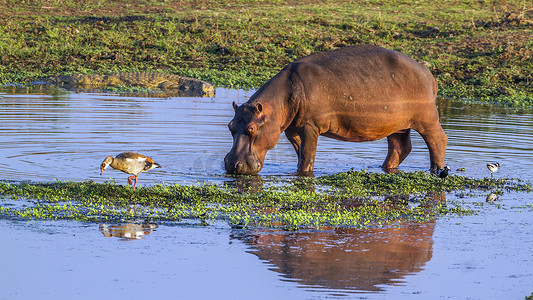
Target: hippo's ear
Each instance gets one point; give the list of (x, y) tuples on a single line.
[(235, 106), (259, 107)]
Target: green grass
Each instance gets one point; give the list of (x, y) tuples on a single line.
[(474, 49), (351, 199)]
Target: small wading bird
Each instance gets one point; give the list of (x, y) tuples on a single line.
[(131, 163), (493, 167)]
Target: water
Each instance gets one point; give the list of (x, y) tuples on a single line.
[(48, 136)]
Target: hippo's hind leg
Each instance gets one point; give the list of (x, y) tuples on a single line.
[(399, 148), (436, 140)]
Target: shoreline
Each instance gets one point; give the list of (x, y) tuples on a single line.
[(484, 57)]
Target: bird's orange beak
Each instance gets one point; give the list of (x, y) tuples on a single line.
[(103, 166)]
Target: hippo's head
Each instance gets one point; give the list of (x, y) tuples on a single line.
[(255, 131)]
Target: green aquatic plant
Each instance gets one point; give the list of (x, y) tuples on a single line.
[(369, 183), (352, 199)]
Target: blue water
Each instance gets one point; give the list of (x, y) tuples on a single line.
[(66, 135)]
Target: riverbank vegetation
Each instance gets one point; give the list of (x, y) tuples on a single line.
[(477, 50), (350, 199)]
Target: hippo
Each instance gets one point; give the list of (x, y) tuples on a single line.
[(356, 93)]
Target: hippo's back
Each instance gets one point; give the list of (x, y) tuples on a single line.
[(369, 73), (362, 93)]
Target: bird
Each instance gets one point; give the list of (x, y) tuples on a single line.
[(493, 167), (443, 173), (131, 163)]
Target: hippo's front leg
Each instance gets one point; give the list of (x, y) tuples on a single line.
[(307, 150), (294, 138)]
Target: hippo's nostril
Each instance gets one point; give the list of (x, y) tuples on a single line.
[(239, 167)]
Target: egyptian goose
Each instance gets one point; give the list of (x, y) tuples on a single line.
[(131, 163), (493, 167)]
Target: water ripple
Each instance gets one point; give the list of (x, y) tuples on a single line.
[(66, 136)]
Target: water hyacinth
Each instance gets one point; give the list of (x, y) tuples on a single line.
[(349, 199)]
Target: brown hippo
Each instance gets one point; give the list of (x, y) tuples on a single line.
[(358, 93)]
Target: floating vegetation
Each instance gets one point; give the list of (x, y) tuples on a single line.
[(350, 199)]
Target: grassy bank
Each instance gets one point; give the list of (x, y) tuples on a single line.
[(480, 50), (353, 199)]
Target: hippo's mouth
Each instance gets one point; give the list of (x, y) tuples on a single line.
[(250, 166)]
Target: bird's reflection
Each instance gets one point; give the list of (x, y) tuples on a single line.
[(491, 197), (129, 231)]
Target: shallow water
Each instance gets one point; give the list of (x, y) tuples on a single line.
[(66, 135)]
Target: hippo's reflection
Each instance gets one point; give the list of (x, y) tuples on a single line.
[(127, 230), (348, 258), (256, 183), (252, 183)]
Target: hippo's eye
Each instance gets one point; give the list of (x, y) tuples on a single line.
[(251, 129)]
